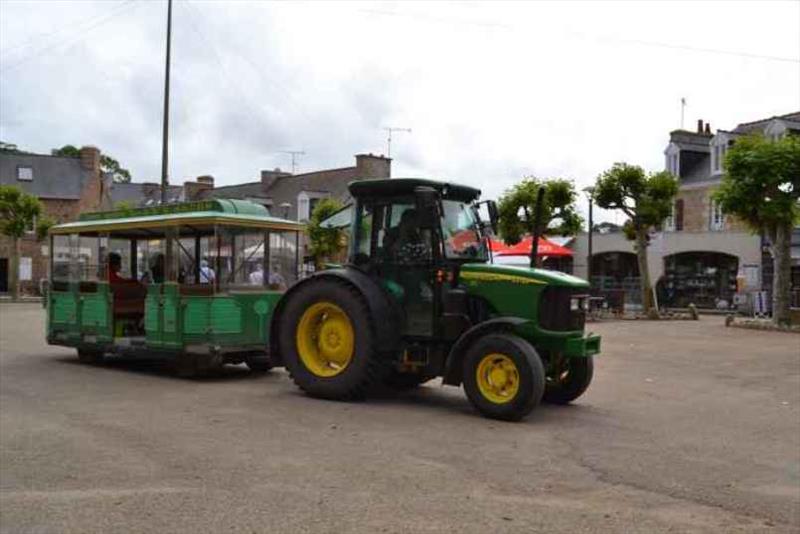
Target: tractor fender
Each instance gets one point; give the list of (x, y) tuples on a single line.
[(384, 311), (453, 368)]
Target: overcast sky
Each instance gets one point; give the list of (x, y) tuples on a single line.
[(491, 91)]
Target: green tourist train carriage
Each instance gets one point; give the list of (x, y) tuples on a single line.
[(193, 282)]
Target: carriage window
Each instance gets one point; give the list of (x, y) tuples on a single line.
[(283, 260), (62, 260), (91, 262)]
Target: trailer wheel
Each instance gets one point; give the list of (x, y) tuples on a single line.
[(503, 376), (327, 341), (90, 357), (569, 381)]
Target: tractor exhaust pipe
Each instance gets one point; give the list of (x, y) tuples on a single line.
[(537, 224)]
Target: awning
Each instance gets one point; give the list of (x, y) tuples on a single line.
[(523, 248)]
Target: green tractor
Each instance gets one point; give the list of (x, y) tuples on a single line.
[(419, 299)]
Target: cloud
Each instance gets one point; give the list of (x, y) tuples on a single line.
[(492, 92)]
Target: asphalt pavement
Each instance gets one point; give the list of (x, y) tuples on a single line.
[(688, 427)]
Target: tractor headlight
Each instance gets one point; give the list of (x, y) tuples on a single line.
[(577, 303)]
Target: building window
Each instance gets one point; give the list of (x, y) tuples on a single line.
[(678, 215), (669, 222), (25, 174), (672, 164), (717, 216), (31, 228)]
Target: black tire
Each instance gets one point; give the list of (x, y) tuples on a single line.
[(574, 379), (365, 369), (397, 381), (258, 365), (530, 371), (90, 357)]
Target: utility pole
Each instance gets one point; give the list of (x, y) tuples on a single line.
[(389, 139), (590, 196), (165, 134), (294, 154)]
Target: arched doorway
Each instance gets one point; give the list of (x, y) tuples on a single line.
[(705, 279), (615, 274)]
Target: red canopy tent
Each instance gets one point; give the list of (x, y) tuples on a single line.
[(523, 248)]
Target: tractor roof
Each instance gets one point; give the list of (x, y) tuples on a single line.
[(405, 186)]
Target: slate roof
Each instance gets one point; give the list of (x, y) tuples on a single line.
[(138, 193), (747, 127), (54, 177)]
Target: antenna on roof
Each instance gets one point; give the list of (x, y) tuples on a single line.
[(683, 108), (294, 154), (392, 129)]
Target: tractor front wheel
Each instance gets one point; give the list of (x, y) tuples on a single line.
[(503, 376), (569, 380), (327, 342)]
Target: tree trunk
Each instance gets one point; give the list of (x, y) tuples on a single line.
[(13, 270), (782, 261), (648, 304)]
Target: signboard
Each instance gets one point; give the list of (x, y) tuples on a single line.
[(25, 269)]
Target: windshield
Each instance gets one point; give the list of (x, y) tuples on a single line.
[(462, 238)]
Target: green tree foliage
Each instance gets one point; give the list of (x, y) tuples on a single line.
[(517, 209), (324, 242), (761, 186), (18, 212), (647, 200), (107, 163)]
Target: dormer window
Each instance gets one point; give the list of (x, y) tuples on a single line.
[(719, 147), (673, 154)]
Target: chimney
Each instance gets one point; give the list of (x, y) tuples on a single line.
[(699, 126), (708, 128), (194, 190), (90, 159), (372, 166), (268, 178)]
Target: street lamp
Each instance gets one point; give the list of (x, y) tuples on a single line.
[(590, 197)]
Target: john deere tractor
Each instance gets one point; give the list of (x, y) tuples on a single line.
[(419, 299)]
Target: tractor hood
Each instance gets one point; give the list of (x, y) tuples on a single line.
[(519, 275)]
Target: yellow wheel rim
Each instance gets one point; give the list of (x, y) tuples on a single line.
[(498, 378), (325, 339)]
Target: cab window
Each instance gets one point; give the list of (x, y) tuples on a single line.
[(462, 239)]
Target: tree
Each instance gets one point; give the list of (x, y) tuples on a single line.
[(647, 200), (325, 242), (517, 206), (761, 186), (107, 163), (18, 213)]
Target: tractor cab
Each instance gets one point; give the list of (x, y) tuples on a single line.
[(419, 299), (411, 236)]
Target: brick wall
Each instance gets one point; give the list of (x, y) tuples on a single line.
[(60, 210), (696, 211)]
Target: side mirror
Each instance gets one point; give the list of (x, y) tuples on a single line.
[(488, 214), (427, 204), (494, 214)]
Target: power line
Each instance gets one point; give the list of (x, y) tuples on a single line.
[(601, 38), (107, 18), (10, 49)]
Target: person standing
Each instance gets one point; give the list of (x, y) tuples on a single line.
[(207, 274)]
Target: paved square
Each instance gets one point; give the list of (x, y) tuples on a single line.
[(688, 427)]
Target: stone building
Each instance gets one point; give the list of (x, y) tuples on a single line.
[(701, 254), (66, 186), (293, 196)]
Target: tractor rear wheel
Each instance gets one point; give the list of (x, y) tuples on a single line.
[(327, 341), (569, 381), (503, 376)]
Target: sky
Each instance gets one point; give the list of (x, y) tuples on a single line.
[(492, 92)]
